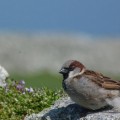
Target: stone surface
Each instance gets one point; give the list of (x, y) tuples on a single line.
[(65, 109), (3, 75)]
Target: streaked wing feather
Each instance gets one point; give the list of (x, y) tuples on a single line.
[(102, 80)]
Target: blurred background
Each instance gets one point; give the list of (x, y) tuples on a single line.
[(37, 37)]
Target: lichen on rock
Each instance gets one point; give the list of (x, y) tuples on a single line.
[(3, 75)]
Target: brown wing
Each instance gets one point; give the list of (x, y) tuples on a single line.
[(102, 80)]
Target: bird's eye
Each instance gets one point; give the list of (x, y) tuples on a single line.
[(71, 68)]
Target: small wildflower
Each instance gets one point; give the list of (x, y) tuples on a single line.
[(30, 90), (20, 87), (26, 89), (23, 93), (22, 82)]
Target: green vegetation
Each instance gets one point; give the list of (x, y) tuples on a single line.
[(16, 101)]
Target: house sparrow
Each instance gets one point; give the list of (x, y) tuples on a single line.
[(88, 88)]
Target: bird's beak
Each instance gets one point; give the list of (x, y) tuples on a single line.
[(63, 71)]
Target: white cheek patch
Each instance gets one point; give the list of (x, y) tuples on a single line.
[(71, 74), (74, 73)]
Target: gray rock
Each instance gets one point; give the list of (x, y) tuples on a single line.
[(65, 109)]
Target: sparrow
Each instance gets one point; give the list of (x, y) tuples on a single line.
[(89, 89)]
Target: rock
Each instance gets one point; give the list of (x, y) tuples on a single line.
[(3, 75), (65, 109)]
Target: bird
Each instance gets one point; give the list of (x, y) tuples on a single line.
[(90, 89)]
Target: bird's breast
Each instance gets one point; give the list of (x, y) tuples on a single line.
[(82, 85), (84, 92)]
